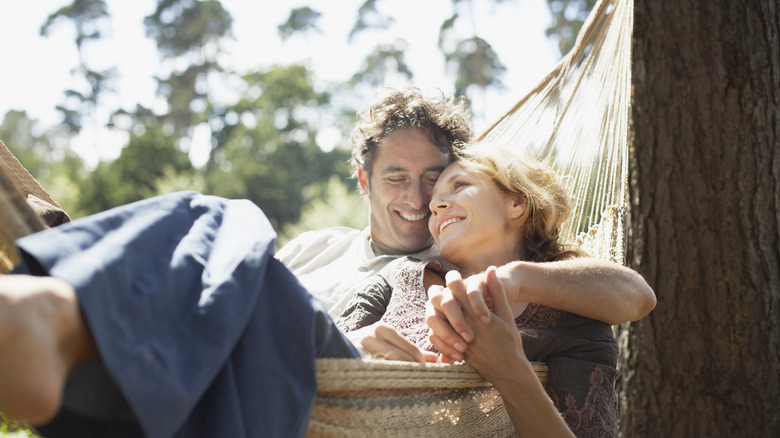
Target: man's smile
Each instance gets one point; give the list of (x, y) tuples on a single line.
[(413, 217)]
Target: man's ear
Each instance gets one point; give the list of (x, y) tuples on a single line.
[(518, 207), (363, 180)]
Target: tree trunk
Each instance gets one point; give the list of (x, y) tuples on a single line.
[(705, 223)]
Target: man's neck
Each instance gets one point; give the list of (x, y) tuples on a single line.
[(381, 249)]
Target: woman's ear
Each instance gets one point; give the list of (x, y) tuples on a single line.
[(363, 180)]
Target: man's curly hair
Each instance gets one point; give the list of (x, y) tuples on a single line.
[(447, 121)]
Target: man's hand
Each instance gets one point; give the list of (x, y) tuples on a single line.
[(383, 341)]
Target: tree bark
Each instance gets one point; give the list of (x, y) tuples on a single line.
[(705, 223)]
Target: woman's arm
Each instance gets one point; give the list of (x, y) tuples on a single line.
[(497, 353)]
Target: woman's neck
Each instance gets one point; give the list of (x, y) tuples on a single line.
[(476, 263)]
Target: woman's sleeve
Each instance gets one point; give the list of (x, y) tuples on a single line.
[(584, 394), (581, 354)]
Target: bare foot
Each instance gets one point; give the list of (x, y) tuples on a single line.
[(42, 336)]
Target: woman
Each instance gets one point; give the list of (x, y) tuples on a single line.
[(488, 209), (179, 365)]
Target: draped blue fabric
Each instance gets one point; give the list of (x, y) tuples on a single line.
[(205, 333)]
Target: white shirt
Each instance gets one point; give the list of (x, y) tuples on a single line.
[(333, 263)]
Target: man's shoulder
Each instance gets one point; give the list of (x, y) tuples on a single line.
[(326, 235), (317, 240)]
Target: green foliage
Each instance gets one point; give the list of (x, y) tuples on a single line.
[(370, 18), (57, 168), (181, 92), (382, 63), (328, 205), (301, 20), (17, 132), (262, 145), (143, 167), (86, 16), (14, 429), (568, 18), (268, 152), (183, 26), (477, 64), (188, 33)]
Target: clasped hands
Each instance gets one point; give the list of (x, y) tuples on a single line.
[(469, 319)]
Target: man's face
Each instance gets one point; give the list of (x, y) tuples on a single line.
[(405, 170)]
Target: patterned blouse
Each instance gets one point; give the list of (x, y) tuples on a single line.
[(581, 353)]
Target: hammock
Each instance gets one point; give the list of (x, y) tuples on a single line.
[(576, 120)]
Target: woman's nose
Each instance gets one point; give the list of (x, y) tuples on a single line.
[(437, 205)]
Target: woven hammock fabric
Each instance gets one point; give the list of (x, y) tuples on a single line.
[(16, 217), (402, 399)]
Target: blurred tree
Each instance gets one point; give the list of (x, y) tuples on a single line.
[(301, 20), (47, 157), (146, 164), (568, 16), (471, 58), (370, 18), (328, 204), (188, 32), (17, 131), (87, 16), (385, 61), (268, 152), (477, 64)]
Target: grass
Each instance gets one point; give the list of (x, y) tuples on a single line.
[(14, 429)]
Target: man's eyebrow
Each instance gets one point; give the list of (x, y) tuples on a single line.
[(392, 169)]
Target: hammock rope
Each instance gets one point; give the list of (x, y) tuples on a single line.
[(576, 119)]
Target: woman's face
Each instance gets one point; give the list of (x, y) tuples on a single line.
[(473, 221)]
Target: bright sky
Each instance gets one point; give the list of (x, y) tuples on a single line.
[(35, 70)]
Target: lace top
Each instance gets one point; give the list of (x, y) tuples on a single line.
[(581, 353)]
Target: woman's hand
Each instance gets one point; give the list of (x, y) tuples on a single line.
[(496, 351), (450, 331), (380, 340)]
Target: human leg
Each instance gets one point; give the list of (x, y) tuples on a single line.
[(191, 313), (42, 336)]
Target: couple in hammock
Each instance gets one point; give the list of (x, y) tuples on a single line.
[(258, 331), (200, 331)]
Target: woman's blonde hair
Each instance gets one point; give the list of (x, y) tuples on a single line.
[(549, 205)]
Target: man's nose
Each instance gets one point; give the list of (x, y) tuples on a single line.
[(417, 196)]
